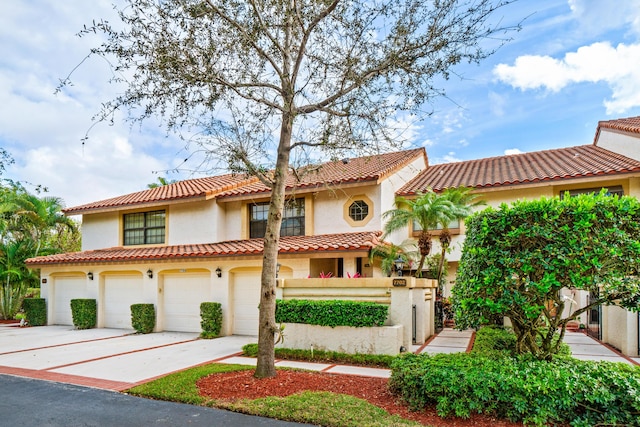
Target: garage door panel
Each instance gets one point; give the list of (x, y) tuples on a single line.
[(66, 289), (183, 294), (246, 297), (120, 292)]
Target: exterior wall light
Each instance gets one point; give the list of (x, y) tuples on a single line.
[(90, 275), (277, 269), (150, 273), (399, 262), (218, 272)]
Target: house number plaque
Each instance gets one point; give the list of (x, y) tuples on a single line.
[(399, 282)]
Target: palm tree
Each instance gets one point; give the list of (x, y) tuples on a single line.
[(427, 211), (14, 276), (388, 253), (463, 201), (42, 216)]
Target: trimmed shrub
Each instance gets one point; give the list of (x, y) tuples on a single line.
[(321, 356), (331, 313), (84, 313), (565, 390), (36, 311), (211, 323), (143, 318)]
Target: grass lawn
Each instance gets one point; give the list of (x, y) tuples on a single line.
[(322, 408)]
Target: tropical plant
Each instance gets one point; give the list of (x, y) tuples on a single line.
[(388, 253), (427, 211), (462, 203), (15, 278), (517, 259), (29, 226), (161, 182)]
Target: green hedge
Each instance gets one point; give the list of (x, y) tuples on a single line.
[(322, 356), (36, 311), (331, 313), (565, 390), (211, 319), (143, 318), (84, 313)]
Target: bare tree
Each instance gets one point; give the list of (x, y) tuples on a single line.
[(262, 79)]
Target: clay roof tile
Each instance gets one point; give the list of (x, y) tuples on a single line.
[(358, 241), (562, 163)]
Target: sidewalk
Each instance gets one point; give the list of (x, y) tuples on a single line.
[(582, 346)]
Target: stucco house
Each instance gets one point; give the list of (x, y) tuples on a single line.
[(198, 240), (612, 161)]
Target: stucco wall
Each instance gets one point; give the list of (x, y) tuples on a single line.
[(328, 210), (100, 231), (194, 222), (344, 339), (619, 142)]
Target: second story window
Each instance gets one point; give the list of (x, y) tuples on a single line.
[(454, 228), (292, 219), (144, 228), (614, 190)]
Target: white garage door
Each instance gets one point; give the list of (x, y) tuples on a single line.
[(119, 293), (65, 289), (183, 294), (246, 298)]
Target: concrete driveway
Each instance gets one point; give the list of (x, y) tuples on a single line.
[(113, 359)]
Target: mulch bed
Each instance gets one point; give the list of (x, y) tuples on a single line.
[(232, 386)]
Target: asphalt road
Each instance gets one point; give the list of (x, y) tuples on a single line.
[(28, 402)]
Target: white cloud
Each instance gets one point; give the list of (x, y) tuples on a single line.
[(427, 143), (512, 151), (43, 131), (597, 16), (598, 62), (450, 157)]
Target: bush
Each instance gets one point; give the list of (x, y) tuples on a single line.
[(143, 318), (331, 313), (565, 390), (84, 313), (321, 356), (211, 323), (36, 311), (496, 342)]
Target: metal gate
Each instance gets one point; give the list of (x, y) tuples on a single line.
[(594, 317), (439, 315)]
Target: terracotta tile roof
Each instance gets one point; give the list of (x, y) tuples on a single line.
[(360, 169), (192, 188), (628, 124), (355, 170), (537, 166), (360, 241)]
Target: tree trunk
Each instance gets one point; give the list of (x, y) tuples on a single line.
[(424, 246), (267, 326), (445, 241)]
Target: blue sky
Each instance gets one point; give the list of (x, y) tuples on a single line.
[(575, 62)]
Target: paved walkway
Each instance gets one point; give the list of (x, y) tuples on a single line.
[(582, 346), (116, 359)]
